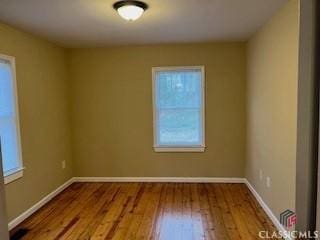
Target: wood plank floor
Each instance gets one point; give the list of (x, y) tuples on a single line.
[(166, 211)]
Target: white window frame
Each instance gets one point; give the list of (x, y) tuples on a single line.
[(178, 148), (17, 173)]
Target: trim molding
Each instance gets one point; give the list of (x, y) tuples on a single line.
[(266, 208), (160, 179), (14, 175), (179, 149), (15, 222)]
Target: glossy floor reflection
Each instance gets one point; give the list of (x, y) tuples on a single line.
[(162, 211), (179, 226)]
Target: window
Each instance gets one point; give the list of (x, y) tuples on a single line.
[(178, 102), (9, 124)]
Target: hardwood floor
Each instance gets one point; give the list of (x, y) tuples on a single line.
[(166, 211)]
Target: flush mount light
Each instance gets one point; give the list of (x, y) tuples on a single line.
[(130, 10)]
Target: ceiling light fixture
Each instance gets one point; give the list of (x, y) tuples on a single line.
[(130, 10)]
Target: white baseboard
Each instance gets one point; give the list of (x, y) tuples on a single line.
[(160, 179), (15, 222), (266, 208)]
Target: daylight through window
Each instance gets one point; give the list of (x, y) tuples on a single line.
[(178, 108)]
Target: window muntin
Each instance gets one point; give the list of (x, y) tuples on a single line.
[(178, 108)]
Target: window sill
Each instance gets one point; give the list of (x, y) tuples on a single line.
[(179, 149), (13, 175)]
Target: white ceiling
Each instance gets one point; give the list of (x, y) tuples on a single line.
[(91, 23)]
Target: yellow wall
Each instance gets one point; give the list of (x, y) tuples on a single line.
[(95, 106), (272, 108), (112, 111), (45, 129)]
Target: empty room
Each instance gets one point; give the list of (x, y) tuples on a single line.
[(159, 120)]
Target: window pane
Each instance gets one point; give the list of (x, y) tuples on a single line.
[(179, 107), (6, 91), (8, 129), (180, 127), (179, 89), (9, 145)]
